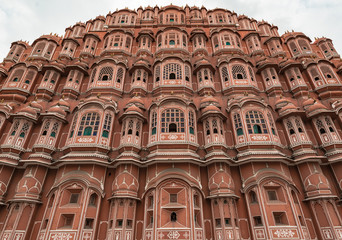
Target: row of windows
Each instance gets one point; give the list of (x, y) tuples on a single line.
[(232, 74), (170, 39), (175, 120)]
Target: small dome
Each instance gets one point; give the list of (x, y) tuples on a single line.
[(29, 185), (63, 103), (308, 103), (290, 107), (281, 102), (316, 182), (136, 101), (208, 100), (211, 109), (29, 110), (133, 109), (57, 110), (317, 106), (221, 183), (36, 105)]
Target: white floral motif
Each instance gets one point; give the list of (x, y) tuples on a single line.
[(260, 138), (172, 137), (85, 140), (62, 236), (173, 235), (148, 235), (285, 233)]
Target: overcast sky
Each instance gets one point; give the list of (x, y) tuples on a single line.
[(29, 19)]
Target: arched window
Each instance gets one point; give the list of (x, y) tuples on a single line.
[(172, 119), (137, 129), (314, 74), (46, 128), (106, 125), (304, 45), (238, 124), (329, 124), (54, 129), (24, 130), (173, 217), (207, 127), (87, 131), (130, 127), (172, 127), (293, 48), (119, 75), (174, 68), (225, 75), (191, 123), (214, 126), (327, 72), (320, 126), (154, 123), (299, 125), (290, 127), (239, 72), (215, 41), (187, 73), (270, 121), (256, 123), (17, 75), (257, 129), (157, 73), (128, 42), (251, 73), (15, 128), (89, 124), (73, 126), (106, 74)]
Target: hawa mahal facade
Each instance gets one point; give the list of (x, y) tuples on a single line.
[(171, 123)]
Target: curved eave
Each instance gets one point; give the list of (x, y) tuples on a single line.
[(93, 35), (70, 40)]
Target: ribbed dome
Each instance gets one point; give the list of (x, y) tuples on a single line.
[(63, 103), (211, 108), (57, 110), (36, 105), (308, 103), (316, 106), (29, 110), (136, 100), (133, 108), (281, 102), (208, 100)]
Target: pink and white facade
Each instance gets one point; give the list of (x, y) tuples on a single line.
[(171, 123)]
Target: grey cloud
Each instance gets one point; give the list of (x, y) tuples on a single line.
[(27, 20)]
